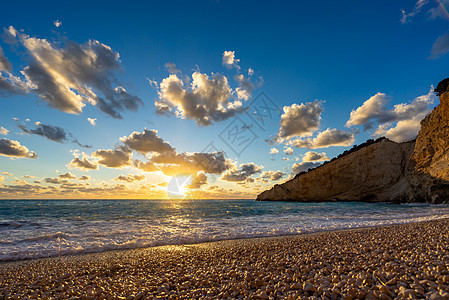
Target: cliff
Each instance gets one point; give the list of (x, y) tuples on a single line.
[(415, 171)]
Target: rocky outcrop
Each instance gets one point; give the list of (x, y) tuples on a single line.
[(415, 171)]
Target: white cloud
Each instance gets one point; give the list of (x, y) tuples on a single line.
[(93, 121), (274, 151), (3, 131), (400, 123), (57, 23), (207, 100), (229, 60), (13, 148), (328, 138), (314, 156), (288, 151), (300, 120), (416, 9)]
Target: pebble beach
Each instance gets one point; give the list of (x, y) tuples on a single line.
[(408, 261)]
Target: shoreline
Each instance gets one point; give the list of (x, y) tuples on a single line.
[(348, 263), (100, 251)]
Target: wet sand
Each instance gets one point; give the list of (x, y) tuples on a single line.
[(399, 262)]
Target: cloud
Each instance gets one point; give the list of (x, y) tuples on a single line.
[(314, 156), (300, 120), (399, 123), (274, 151), (84, 177), (198, 181), (130, 178), (153, 83), (439, 11), (273, 175), (245, 90), (57, 23), (3, 131), (7, 173), (113, 158), (2, 178), (146, 141), (55, 180), (304, 167), (328, 138), (28, 176), (9, 85), (93, 122), (5, 65), (207, 100), (171, 67), (82, 163), (416, 9), (288, 151), (51, 132), (440, 47), (230, 61), (67, 175), (243, 172), (68, 76), (13, 148)]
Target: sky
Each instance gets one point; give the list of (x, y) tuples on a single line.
[(106, 100)]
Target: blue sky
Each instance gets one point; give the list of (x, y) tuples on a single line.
[(315, 61)]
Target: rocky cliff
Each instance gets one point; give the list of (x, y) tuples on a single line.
[(415, 171)]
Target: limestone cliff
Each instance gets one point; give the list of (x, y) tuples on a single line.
[(415, 171)]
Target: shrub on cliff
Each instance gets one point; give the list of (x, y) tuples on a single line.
[(442, 87)]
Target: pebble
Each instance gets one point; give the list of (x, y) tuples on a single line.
[(393, 262)]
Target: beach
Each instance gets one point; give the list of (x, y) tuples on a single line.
[(397, 261)]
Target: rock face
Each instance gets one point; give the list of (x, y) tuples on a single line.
[(415, 171)]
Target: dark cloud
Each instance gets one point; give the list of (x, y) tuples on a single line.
[(171, 67), (314, 156), (304, 167), (328, 138), (5, 65), (56, 180), (130, 178), (13, 148), (67, 175), (83, 164), (84, 177), (146, 141), (272, 175), (51, 132), (113, 158), (198, 181), (440, 47), (242, 173), (68, 76)]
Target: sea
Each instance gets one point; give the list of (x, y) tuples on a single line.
[(51, 228)]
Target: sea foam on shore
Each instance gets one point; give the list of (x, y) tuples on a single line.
[(49, 228), (400, 261)]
